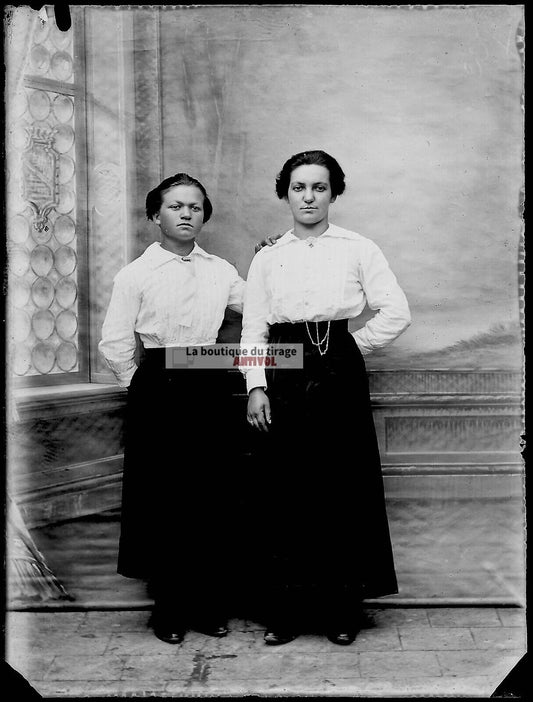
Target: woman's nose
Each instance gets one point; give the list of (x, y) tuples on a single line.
[(309, 196), (185, 212)]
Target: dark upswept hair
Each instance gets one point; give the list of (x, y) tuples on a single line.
[(305, 158), (154, 198)]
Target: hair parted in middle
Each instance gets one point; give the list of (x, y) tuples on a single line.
[(154, 198), (305, 158)]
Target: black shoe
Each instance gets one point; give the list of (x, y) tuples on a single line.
[(168, 634), (342, 638), (275, 637)]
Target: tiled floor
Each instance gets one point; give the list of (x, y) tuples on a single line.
[(439, 652)]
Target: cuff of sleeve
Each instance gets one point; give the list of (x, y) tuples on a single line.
[(255, 378), (123, 375), (124, 382), (363, 348)]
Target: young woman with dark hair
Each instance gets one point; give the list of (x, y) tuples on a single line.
[(155, 197), (175, 488), (325, 541)]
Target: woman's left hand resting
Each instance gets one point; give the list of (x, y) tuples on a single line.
[(259, 409)]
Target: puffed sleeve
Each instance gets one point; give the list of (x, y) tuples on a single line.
[(118, 330), (384, 294)]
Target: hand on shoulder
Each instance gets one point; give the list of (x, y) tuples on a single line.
[(269, 241)]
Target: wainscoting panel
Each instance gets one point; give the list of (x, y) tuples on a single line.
[(453, 473), (65, 452)]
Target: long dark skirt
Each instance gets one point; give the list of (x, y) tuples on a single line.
[(322, 502), (174, 523)]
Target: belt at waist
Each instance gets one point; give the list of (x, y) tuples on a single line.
[(299, 331)]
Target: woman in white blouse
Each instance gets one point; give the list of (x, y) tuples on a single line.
[(174, 532), (325, 541)]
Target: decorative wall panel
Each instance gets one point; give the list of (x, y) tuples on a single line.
[(457, 382), (45, 444), (452, 434), (65, 453), (42, 211)]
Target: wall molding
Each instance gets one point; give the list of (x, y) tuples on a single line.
[(447, 382), (441, 434), (67, 493), (61, 400)]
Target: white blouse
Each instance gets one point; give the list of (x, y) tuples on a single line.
[(169, 300), (324, 278)]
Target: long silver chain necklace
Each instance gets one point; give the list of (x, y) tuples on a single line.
[(318, 343)]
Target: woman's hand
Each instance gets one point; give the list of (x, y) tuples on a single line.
[(259, 409), (269, 241)]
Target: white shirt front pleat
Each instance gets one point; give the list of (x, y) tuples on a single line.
[(334, 278), (169, 300)]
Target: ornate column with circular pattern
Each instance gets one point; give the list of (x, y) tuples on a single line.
[(41, 208)]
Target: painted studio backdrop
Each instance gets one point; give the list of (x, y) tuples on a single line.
[(421, 105)]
